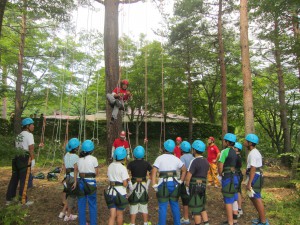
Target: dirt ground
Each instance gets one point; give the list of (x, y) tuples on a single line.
[(47, 202)]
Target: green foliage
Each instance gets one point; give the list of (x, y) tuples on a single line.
[(13, 214)]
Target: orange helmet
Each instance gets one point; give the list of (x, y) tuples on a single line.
[(125, 82), (123, 134), (179, 139)]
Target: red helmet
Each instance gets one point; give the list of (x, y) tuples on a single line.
[(125, 82), (212, 138), (179, 139), (122, 134)]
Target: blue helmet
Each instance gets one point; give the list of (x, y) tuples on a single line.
[(27, 121), (199, 146), (139, 152), (185, 146), (230, 137), (87, 146), (252, 138), (238, 145), (72, 144), (120, 153), (169, 145)]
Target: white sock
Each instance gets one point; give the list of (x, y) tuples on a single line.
[(145, 223)]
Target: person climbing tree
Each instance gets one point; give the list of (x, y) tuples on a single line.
[(22, 163), (117, 99), (255, 181)]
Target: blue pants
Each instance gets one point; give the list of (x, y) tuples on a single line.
[(92, 201), (163, 207)]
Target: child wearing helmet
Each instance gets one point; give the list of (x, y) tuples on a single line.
[(255, 180), (70, 181), (138, 197), (195, 183), (213, 154), (168, 186), (22, 164), (226, 168), (177, 151), (88, 170), (117, 98), (238, 148), (115, 194), (186, 158)]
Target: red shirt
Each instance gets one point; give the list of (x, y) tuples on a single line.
[(177, 151), (212, 153), (120, 143), (118, 90)]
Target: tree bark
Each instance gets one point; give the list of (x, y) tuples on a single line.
[(281, 91), (2, 10), (247, 81), (4, 99), (296, 30), (190, 104), (223, 72), (18, 101)]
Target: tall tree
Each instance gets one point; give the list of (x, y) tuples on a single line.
[(2, 10), (222, 70), (247, 80), (111, 56)]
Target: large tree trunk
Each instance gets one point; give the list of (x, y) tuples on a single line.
[(281, 92), (296, 30), (223, 72), (2, 10), (18, 101), (247, 81), (111, 36), (4, 87)]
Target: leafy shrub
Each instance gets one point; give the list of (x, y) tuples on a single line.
[(13, 214)]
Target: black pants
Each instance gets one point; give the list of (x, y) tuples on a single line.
[(19, 170)]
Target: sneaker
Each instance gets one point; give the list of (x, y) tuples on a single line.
[(255, 221), (70, 218), (226, 223), (261, 223), (61, 215), (28, 203), (184, 221), (240, 211)]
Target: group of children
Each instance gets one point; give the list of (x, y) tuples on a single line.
[(171, 176)]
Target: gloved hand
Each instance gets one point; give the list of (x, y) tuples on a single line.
[(180, 182), (250, 193), (32, 163), (130, 186), (148, 184), (187, 190), (220, 178), (155, 187)]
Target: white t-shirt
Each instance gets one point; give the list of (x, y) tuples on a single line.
[(167, 162), (24, 140), (87, 164), (117, 172), (254, 159)]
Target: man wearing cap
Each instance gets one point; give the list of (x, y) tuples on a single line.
[(121, 142), (23, 161), (213, 154)]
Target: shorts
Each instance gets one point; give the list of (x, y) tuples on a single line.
[(139, 208), (71, 200), (231, 200), (113, 206), (257, 195)]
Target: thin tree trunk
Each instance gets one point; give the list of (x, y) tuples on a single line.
[(190, 104), (296, 30), (111, 55), (18, 101), (247, 93), (281, 92), (223, 72), (2, 10), (4, 99)]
